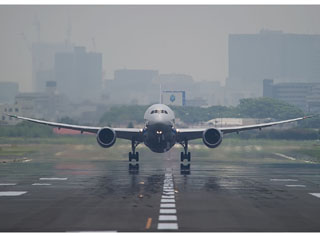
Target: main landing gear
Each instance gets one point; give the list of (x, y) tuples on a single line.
[(185, 168), (134, 155), (186, 155)]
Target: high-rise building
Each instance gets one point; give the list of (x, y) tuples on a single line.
[(43, 62), (8, 90), (280, 56), (133, 87), (79, 74)]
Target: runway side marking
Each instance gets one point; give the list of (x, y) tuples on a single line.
[(44, 184), (292, 180), (312, 162), (11, 193), (296, 185), (53, 178), (7, 184), (168, 200), (285, 156), (149, 221), (315, 194), (167, 226), (168, 211), (167, 218)]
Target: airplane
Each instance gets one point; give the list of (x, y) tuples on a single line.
[(159, 133)]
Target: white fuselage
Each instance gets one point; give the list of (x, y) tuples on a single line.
[(159, 133)]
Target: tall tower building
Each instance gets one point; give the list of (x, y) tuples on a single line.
[(79, 74), (273, 55)]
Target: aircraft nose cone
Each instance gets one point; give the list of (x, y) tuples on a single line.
[(159, 120)]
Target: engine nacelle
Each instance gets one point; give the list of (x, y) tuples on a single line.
[(212, 137), (106, 137)]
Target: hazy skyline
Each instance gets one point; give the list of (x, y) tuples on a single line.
[(172, 39)]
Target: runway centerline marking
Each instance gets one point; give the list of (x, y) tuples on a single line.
[(173, 226), (7, 184), (11, 193), (167, 218), (167, 205), (168, 211), (167, 196), (167, 200)]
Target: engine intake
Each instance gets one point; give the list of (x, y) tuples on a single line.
[(212, 137), (106, 137)]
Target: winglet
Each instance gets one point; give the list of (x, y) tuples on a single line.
[(14, 116)]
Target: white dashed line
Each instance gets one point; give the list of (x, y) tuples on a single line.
[(45, 184), (167, 218), (167, 200), (167, 226), (169, 196), (168, 211), (296, 185), (285, 180), (315, 194), (7, 184), (167, 205), (11, 193), (168, 193), (285, 156), (53, 178)]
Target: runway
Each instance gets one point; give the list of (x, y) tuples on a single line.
[(57, 194)]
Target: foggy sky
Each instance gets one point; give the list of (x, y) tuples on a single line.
[(172, 39)]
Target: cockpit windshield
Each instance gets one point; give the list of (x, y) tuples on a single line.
[(159, 111)]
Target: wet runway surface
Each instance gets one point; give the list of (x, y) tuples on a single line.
[(109, 195)]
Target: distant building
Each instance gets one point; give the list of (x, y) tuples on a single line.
[(8, 90), (43, 62), (14, 109), (132, 87), (79, 74), (281, 56), (303, 95)]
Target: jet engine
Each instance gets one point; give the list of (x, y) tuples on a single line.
[(212, 137), (106, 137)]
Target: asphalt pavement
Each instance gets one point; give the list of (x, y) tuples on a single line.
[(159, 195)]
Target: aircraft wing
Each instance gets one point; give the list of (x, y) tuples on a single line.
[(189, 134), (123, 133)]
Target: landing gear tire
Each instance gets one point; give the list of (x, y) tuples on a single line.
[(185, 156), (133, 156)]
